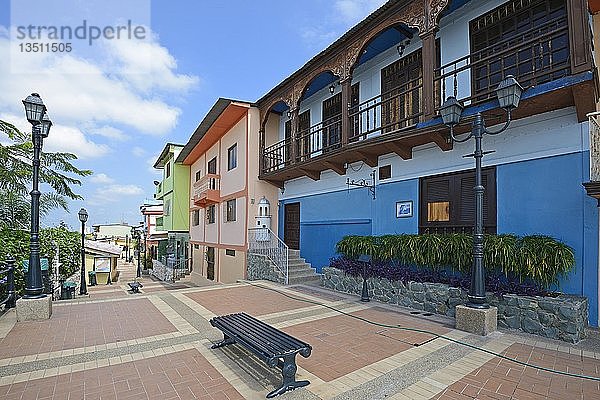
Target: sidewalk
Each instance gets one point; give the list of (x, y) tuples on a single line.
[(156, 345)]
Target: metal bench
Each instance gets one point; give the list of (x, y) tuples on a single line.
[(276, 348), (135, 286)]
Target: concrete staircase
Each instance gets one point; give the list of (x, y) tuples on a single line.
[(300, 271)]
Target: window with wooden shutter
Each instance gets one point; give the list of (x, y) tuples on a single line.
[(448, 202), (303, 143), (525, 38), (332, 121), (401, 84)]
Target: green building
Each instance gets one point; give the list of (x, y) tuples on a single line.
[(174, 192)]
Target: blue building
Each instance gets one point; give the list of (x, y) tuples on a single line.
[(367, 108)]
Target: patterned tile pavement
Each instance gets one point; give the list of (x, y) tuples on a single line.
[(114, 344), (86, 324)]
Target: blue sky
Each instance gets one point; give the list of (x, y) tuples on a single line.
[(116, 106)]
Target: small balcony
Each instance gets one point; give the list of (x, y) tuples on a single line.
[(207, 190), (158, 193)]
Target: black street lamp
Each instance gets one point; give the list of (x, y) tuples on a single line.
[(145, 245), (83, 217), (364, 259), (35, 110), (509, 93), (135, 233)]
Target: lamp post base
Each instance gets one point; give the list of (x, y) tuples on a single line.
[(34, 309), (365, 292), (480, 321)]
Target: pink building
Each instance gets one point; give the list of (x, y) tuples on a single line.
[(223, 155)]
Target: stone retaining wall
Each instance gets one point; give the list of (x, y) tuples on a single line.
[(160, 271), (261, 268), (564, 317)]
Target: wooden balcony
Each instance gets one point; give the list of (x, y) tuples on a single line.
[(543, 59), (207, 190)]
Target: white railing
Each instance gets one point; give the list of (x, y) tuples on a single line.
[(262, 241), (180, 269), (594, 146)]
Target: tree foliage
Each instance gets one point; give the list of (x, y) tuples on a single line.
[(15, 242), (56, 170)]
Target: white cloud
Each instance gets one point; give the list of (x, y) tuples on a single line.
[(138, 151), (109, 132), (114, 193), (101, 178), (150, 164), (353, 11), (317, 37), (123, 190), (71, 140), (78, 91), (149, 66), (62, 138), (332, 23)]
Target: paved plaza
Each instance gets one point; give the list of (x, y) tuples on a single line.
[(156, 345)]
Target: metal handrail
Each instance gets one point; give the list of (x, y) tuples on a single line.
[(176, 268), (11, 297), (264, 242)]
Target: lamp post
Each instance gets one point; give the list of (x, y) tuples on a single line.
[(35, 110), (364, 259), (83, 216), (135, 233), (509, 93), (145, 246)]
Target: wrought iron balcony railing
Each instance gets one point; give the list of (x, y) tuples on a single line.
[(319, 138), (388, 112), (538, 55)]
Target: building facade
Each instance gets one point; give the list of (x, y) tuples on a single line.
[(223, 156), (152, 210), (366, 110), (173, 192)]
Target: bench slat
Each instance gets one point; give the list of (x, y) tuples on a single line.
[(256, 328), (276, 341), (281, 338), (250, 336), (271, 341), (257, 348)]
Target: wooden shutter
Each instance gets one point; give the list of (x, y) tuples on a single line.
[(332, 118), (304, 140), (400, 104), (456, 190), (514, 23)]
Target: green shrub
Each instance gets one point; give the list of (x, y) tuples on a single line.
[(16, 243), (540, 259)]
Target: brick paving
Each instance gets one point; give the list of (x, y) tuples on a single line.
[(502, 379), (244, 298), (182, 375), (342, 345), (156, 345), (86, 324)]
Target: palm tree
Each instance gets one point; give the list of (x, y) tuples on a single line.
[(56, 170)]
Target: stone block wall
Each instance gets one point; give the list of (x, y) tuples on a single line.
[(261, 268), (160, 271), (564, 317)]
